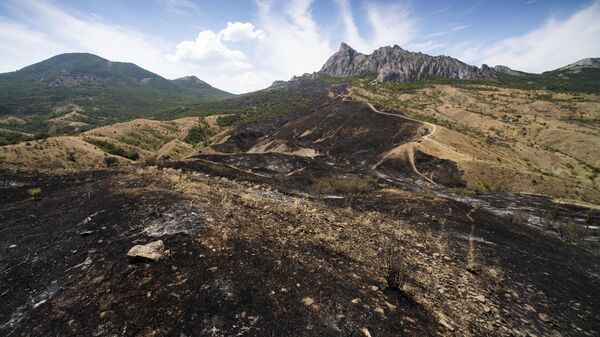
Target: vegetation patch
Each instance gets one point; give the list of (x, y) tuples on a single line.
[(199, 134), (113, 149), (343, 185)]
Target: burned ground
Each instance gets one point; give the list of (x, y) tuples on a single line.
[(246, 259), (255, 248), (345, 131)]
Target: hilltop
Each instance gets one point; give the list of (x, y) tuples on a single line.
[(78, 91)]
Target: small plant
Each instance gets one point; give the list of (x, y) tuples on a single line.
[(521, 216), (151, 161), (71, 157), (395, 269), (569, 230)]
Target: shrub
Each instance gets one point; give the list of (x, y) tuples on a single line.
[(569, 230), (110, 161), (198, 134), (151, 161)]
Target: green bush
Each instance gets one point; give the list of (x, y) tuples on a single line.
[(198, 134)]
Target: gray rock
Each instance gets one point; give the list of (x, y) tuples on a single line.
[(506, 70), (152, 251), (397, 64)]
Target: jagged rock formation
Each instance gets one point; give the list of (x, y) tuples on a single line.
[(506, 70), (397, 64), (581, 64)]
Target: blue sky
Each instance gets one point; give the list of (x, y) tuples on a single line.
[(242, 45)]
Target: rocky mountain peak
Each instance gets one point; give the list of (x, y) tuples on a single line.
[(396, 64), (581, 64)]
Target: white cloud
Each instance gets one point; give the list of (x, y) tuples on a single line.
[(351, 36), (390, 24), (241, 31), (294, 43), (207, 50), (553, 45)]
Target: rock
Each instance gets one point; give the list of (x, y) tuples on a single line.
[(544, 317), (355, 301), (153, 251), (480, 298), (308, 301), (366, 332), (374, 288), (86, 233), (446, 325)]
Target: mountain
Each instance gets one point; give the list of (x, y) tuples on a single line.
[(580, 76), (194, 83), (102, 88), (588, 63), (397, 64)]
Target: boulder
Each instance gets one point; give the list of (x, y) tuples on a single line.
[(152, 251)]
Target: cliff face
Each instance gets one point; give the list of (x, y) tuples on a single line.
[(397, 64)]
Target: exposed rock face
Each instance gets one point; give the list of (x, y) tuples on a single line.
[(581, 64), (397, 64), (506, 70), (192, 79)]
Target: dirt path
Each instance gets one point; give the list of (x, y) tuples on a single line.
[(408, 149)]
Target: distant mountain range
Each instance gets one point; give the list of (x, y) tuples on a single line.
[(101, 87), (397, 64)]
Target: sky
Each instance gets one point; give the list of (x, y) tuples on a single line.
[(245, 45)]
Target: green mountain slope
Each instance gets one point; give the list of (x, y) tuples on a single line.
[(103, 91)]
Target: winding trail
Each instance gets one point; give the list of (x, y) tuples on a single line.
[(407, 150)]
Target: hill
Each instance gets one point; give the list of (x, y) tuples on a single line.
[(73, 92)]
